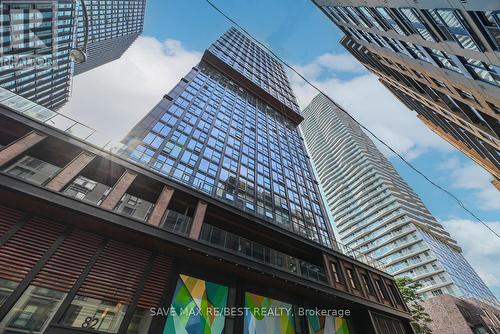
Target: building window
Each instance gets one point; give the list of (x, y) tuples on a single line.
[(95, 314), (367, 284), (452, 22), (413, 19), (335, 272), (33, 312), (350, 276), (444, 60), (490, 20), (87, 190), (416, 52), (134, 207), (380, 289), (437, 292), (390, 20), (483, 71), (370, 17), (33, 170), (465, 95), (6, 288)]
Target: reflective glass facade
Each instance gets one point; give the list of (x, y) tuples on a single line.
[(37, 36), (247, 58), (215, 136), (113, 27), (35, 39), (377, 213), (441, 61)]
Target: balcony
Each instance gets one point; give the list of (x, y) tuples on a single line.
[(87, 190), (260, 253), (134, 207), (32, 170), (176, 222)]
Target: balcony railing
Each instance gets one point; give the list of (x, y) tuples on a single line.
[(176, 222), (260, 253)]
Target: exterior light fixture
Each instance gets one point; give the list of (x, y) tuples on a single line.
[(79, 55)]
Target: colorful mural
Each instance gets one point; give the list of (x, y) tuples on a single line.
[(326, 325), (196, 307), (267, 316)]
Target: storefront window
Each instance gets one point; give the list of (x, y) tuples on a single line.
[(95, 314), (6, 288), (141, 321), (33, 311)]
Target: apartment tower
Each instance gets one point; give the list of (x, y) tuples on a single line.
[(441, 59), (37, 36), (113, 27), (209, 221), (377, 213)]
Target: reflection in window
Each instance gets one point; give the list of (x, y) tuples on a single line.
[(141, 321), (483, 71), (444, 60), (33, 311), (413, 19), (384, 12), (454, 22), (33, 170), (87, 190), (491, 23), (6, 288), (134, 207), (95, 314)]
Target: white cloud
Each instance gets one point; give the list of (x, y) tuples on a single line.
[(480, 247), (334, 62), (368, 101), (471, 177), (114, 97)]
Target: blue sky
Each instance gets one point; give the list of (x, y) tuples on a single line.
[(177, 32)]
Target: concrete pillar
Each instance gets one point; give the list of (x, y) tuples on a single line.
[(69, 172), (161, 206), (19, 146), (199, 216), (119, 189)]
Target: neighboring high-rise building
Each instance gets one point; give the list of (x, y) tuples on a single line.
[(442, 60), (229, 129), (113, 27), (214, 226), (377, 213), (35, 40), (37, 36)]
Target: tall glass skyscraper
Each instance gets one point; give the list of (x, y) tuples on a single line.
[(37, 36), (229, 129), (113, 27), (377, 213), (442, 60), (35, 40)]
